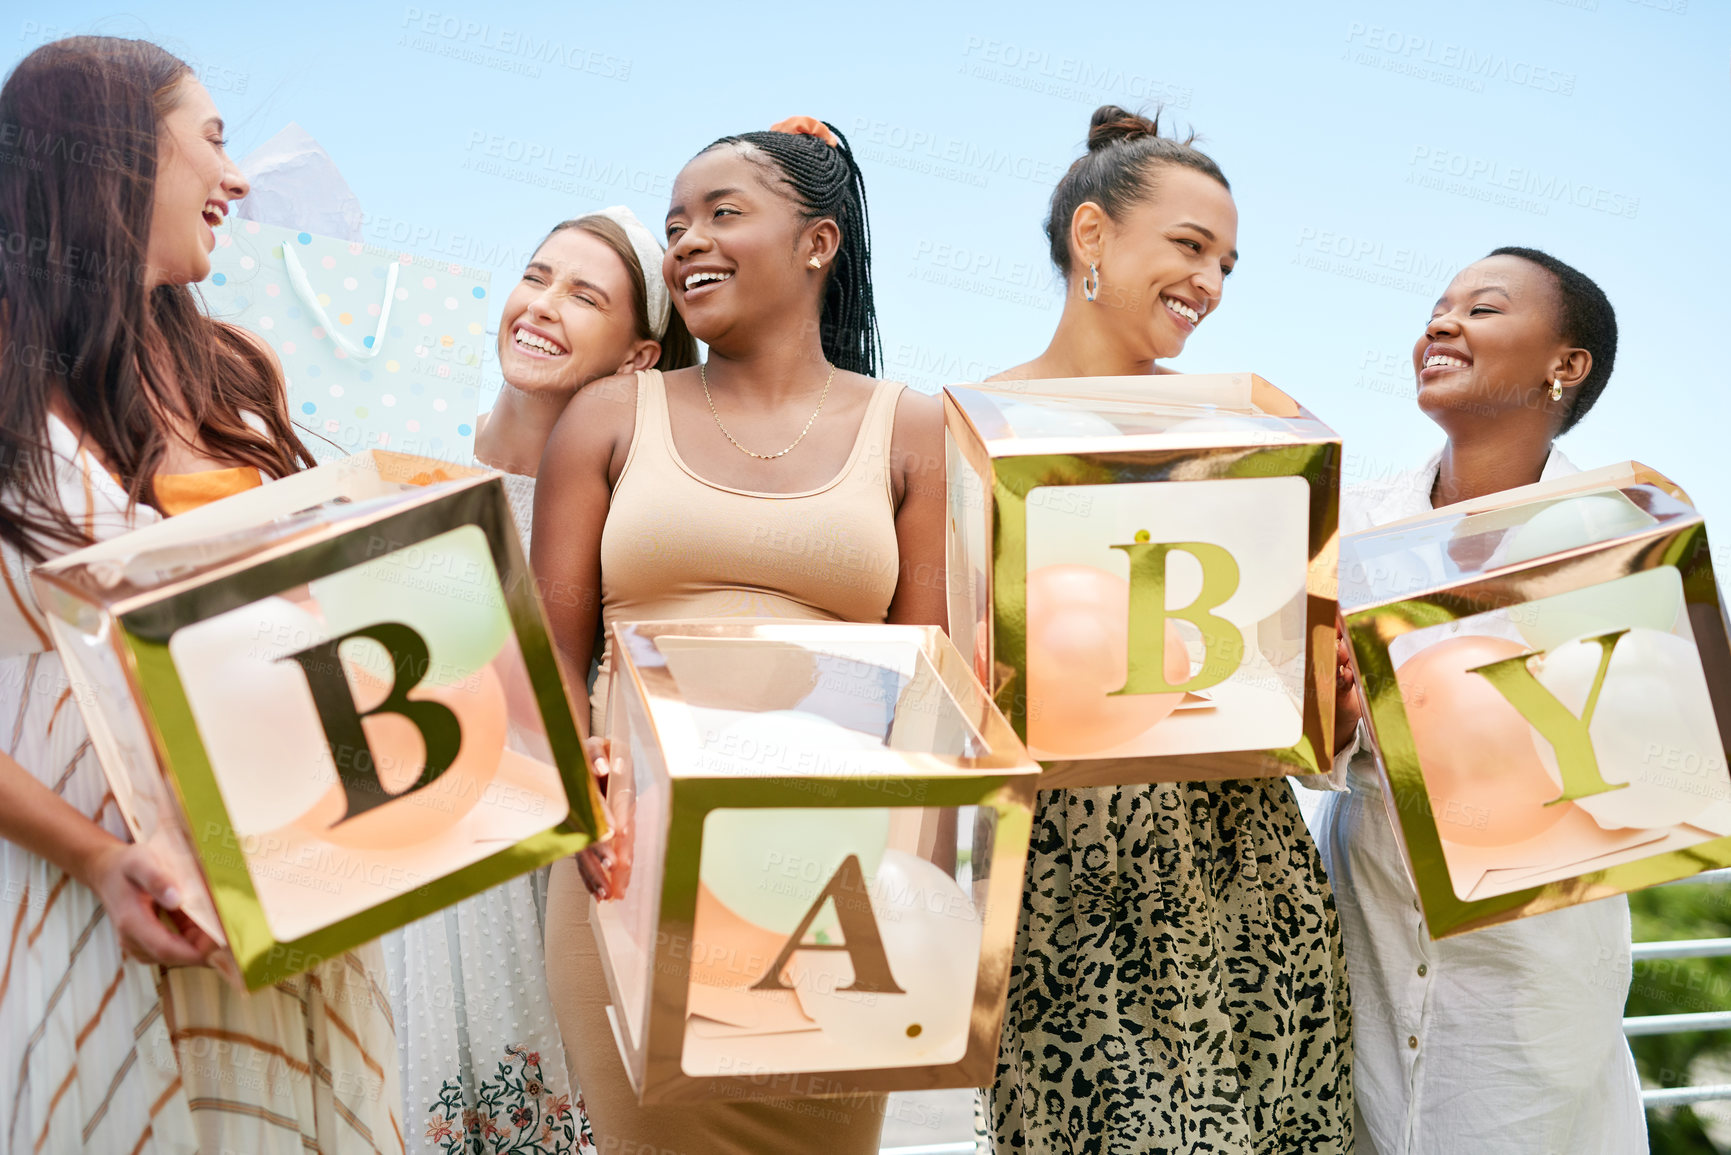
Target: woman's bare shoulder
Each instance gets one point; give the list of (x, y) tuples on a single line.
[(916, 409), (597, 424), (607, 397), (1022, 372)]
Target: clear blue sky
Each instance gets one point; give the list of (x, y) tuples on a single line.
[(1373, 147)]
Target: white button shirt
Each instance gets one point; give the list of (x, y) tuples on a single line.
[(1503, 1041)]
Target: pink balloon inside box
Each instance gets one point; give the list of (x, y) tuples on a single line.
[(1548, 693), (1142, 571), (329, 703), (821, 832)]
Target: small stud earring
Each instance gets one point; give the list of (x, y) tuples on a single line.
[(1556, 389), (1089, 292), (815, 263)]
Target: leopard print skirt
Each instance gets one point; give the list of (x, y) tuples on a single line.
[(1179, 983)]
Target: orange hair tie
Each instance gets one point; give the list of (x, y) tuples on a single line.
[(807, 126)]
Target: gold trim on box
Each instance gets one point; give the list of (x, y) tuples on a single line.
[(147, 618), (1313, 452), (1373, 624), (1002, 780)]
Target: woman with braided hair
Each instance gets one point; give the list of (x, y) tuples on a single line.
[(778, 479)]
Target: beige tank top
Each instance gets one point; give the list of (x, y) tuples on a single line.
[(678, 546)]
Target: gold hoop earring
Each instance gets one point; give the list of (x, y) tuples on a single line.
[(1556, 389)]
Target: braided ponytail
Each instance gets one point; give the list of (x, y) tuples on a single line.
[(826, 182)]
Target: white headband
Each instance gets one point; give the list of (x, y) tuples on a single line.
[(648, 251)]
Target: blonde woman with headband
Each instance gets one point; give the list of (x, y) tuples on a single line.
[(480, 1051), (591, 304)]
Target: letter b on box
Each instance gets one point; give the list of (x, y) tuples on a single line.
[(1142, 570)]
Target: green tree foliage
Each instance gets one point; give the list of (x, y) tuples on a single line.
[(1679, 986)]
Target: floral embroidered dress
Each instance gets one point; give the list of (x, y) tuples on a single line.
[(112, 1056), (482, 1066)]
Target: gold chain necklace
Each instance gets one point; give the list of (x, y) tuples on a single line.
[(703, 376)]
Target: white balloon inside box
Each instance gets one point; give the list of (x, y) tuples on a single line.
[(899, 993), (236, 664), (1055, 420), (1561, 698), (1156, 553), (343, 683), (1653, 730), (839, 867), (1575, 522), (931, 938)]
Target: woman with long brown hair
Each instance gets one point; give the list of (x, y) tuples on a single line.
[(121, 402)]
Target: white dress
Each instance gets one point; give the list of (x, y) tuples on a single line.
[(104, 1055), (1503, 1041), (479, 1047)]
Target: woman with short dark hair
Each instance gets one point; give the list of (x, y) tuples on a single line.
[(1508, 1040)]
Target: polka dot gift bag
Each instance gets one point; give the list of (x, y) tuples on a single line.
[(382, 349)]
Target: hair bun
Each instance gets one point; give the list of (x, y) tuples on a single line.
[(1111, 124)]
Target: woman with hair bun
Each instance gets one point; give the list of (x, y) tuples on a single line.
[(1508, 1040), (661, 496), (1178, 981)]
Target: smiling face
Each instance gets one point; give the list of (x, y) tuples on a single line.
[(1164, 263), (738, 250), (195, 184), (1492, 345), (571, 318)]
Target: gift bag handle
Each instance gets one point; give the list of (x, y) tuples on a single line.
[(304, 290)]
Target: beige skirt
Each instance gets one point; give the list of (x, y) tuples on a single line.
[(579, 990)]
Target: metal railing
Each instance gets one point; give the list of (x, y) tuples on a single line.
[(1635, 1026)]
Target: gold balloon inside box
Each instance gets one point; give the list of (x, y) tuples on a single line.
[(1142, 570), (1548, 684), (822, 831), (329, 704)]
